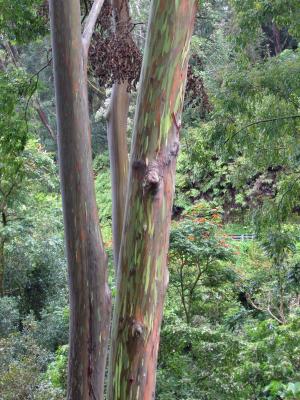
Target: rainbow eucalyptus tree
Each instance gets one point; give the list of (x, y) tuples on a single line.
[(142, 272), (87, 262)]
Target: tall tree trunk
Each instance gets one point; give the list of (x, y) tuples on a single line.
[(3, 239), (87, 262), (142, 274), (117, 139), (276, 39), (2, 266)]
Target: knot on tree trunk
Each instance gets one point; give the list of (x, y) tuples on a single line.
[(151, 173), (137, 329), (153, 177), (174, 149)]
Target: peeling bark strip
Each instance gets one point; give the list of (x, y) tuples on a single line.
[(142, 273), (87, 262)]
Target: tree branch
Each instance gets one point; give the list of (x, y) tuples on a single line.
[(90, 25), (267, 310), (183, 301), (95, 89), (262, 121), (86, 11), (44, 120)]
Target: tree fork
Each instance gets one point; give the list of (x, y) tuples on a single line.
[(87, 261), (142, 274)]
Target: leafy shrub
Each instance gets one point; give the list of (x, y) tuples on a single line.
[(45, 391), (22, 364), (57, 370), (269, 353), (276, 390), (197, 261), (9, 315), (196, 363), (53, 328)]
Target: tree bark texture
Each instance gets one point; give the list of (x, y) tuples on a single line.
[(87, 261), (142, 274), (117, 140)]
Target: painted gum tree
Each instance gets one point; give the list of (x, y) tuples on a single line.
[(142, 272), (87, 262)]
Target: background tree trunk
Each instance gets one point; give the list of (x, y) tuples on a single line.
[(276, 40), (142, 275), (87, 262), (3, 239), (117, 139), (2, 266)]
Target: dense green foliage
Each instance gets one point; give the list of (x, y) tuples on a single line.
[(232, 316), (22, 20)]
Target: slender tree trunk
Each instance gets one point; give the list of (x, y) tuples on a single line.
[(2, 249), (87, 262), (2, 266), (142, 274), (117, 140), (276, 39), (118, 152)]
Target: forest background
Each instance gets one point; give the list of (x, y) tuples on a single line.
[(231, 320)]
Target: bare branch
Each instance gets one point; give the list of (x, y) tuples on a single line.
[(262, 121), (95, 89), (86, 6), (35, 76), (90, 25), (13, 53), (267, 310), (44, 120), (274, 316)]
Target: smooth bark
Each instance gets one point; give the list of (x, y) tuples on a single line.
[(142, 273), (87, 261), (90, 25), (117, 139)]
